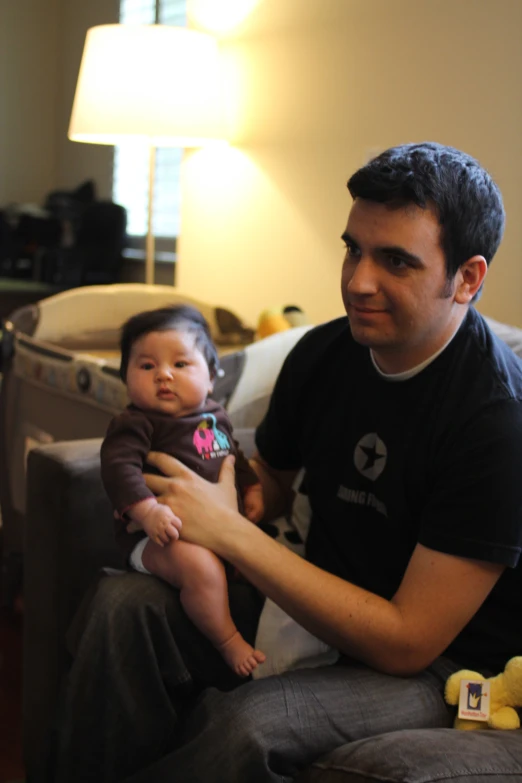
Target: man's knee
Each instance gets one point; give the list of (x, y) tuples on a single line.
[(257, 727), (257, 715)]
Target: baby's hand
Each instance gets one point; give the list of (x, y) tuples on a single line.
[(161, 524), (254, 503)]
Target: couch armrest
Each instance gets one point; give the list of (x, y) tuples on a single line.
[(423, 756), (68, 538)]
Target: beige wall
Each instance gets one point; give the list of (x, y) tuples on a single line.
[(41, 43), (28, 98), (323, 84), (75, 161), (320, 85)]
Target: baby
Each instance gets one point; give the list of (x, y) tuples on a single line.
[(169, 364)]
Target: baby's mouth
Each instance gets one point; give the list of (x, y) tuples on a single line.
[(165, 393)]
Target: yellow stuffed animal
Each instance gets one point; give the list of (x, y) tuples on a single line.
[(279, 319), (505, 695)]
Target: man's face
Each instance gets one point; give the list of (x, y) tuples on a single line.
[(394, 286)]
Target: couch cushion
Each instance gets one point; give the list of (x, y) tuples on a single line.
[(248, 402), (245, 436), (423, 756)]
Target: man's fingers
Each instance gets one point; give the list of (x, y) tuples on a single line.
[(157, 484), (169, 466), (253, 514), (227, 473)]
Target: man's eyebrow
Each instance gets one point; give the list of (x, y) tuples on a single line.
[(391, 250), (397, 250), (348, 239)]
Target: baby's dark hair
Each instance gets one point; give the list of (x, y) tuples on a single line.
[(178, 317)]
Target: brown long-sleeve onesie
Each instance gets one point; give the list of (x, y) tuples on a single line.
[(200, 440)]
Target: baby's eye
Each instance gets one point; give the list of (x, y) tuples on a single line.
[(181, 364), (146, 366)]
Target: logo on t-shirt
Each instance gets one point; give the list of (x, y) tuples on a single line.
[(370, 456)]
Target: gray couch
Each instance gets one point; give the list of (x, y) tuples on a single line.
[(68, 539)]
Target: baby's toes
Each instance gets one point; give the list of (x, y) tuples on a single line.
[(243, 669)]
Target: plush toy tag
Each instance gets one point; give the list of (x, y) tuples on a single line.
[(474, 700)]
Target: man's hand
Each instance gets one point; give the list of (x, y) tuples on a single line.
[(278, 493), (199, 503), (254, 503)]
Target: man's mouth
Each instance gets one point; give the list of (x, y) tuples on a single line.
[(358, 308)]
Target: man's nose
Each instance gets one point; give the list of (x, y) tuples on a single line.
[(363, 277)]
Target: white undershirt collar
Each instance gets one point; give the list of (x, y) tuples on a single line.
[(407, 374)]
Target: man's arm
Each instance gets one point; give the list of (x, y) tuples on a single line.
[(278, 494), (438, 596)]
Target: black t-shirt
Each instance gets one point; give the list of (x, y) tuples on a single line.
[(436, 459)]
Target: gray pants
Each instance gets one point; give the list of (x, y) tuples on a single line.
[(139, 706)]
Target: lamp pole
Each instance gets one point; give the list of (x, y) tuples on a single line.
[(150, 240)]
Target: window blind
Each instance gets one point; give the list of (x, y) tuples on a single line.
[(131, 161)]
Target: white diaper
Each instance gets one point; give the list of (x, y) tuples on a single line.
[(136, 556)]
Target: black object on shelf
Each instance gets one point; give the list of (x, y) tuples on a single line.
[(74, 240)]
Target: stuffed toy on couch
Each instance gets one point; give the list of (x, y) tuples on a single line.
[(505, 693)]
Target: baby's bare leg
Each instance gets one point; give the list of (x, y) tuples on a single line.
[(200, 576)]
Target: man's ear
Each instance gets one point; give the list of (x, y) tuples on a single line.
[(469, 278)]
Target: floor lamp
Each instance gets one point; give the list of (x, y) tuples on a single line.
[(157, 83)]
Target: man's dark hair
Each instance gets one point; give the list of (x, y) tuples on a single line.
[(466, 200), (178, 317)]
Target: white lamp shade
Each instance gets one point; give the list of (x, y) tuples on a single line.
[(155, 82)]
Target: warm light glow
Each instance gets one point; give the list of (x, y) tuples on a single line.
[(155, 82), (220, 17), (207, 171)]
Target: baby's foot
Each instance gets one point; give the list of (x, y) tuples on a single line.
[(240, 655)]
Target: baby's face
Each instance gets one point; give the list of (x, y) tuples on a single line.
[(168, 373)]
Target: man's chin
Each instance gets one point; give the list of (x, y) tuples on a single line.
[(366, 336)]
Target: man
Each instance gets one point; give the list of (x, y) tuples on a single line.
[(407, 418)]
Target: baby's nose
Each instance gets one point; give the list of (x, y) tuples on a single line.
[(164, 372)]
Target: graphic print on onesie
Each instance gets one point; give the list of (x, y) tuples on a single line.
[(209, 440)]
